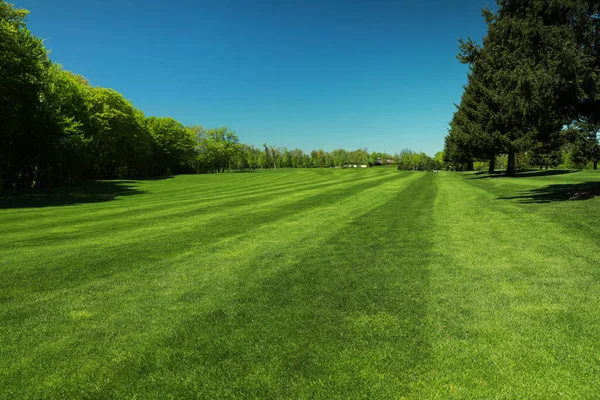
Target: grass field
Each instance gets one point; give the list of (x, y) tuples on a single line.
[(303, 284)]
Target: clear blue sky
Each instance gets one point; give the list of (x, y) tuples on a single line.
[(306, 74)]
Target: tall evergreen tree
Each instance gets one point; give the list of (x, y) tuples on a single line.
[(537, 66)]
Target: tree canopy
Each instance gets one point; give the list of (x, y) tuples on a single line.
[(536, 71)]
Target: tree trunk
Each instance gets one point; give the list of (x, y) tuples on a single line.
[(492, 164), (37, 175), (595, 164), (510, 168)]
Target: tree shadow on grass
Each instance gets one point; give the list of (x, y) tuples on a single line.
[(156, 178), (523, 174), (486, 174), (77, 193), (564, 192)]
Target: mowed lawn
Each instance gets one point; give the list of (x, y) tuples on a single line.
[(303, 284)]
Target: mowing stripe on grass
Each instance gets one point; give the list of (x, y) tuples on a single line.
[(510, 293), (197, 198), (342, 321), (129, 310), (303, 284)]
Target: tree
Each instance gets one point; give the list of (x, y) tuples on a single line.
[(56, 128), (24, 66), (173, 146), (121, 142), (218, 147), (272, 154), (535, 65), (477, 121), (297, 158), (65, 148), (340, 157), (439, 159), (583, 136), (409, 160), (358, 157), (405, 161)]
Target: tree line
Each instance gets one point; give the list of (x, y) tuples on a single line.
[(250, 157), (55, 127), (532, 89), (531, 97)]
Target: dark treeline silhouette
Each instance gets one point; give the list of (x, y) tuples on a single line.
[(532, 90)]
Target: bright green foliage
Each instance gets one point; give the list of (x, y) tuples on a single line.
[(339, 157), (272, 156), (249, 157), (121, 144), (66, 151), (358, 157), (321, 283), (217, 149), (174, 146), (439, 158), (412, 161), (297, 158), (405, 160), (320, 158)]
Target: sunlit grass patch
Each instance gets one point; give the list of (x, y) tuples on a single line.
[(304, 284)]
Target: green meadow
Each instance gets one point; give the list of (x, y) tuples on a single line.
[(316, 283)]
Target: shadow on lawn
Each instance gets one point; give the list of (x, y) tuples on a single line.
[(564, 192), (77, 193), (523, 174), (156, 178)]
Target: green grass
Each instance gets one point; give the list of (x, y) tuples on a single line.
[(303, 284)]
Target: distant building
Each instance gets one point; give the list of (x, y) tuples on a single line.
[(387, 161)]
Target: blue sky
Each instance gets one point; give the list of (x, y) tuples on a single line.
[(301, 74)]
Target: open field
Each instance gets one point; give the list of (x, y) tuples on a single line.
[(304, 284)]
